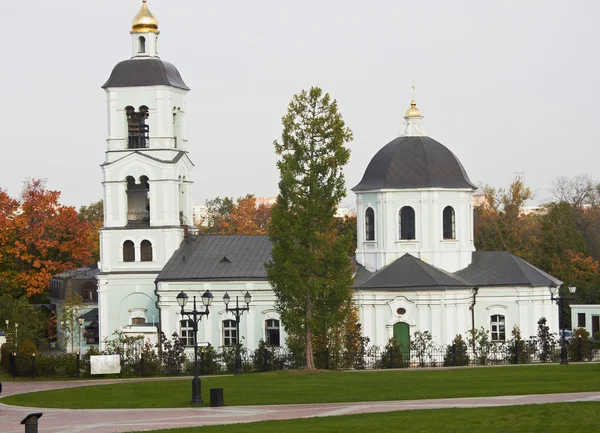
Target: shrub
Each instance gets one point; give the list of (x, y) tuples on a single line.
[(391, 356), (479, 341), (456, 353), (422, 344)]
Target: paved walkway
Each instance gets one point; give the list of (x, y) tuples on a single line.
[(127, 420)]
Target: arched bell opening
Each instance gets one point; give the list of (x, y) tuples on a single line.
[(138, 202)]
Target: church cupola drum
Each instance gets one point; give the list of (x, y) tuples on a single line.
[(415, 197), (147, 179)]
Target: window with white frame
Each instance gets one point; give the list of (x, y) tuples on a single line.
[(229, 333), (187, 332), (272, 332), (498, 328)]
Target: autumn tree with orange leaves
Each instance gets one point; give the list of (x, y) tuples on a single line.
[(39, 238), (246, 218)]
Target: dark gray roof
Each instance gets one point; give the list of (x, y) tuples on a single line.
[(145, 72), (414, 162), (219, 257), (87, 273), (408, 272), (501, 268), (91, 315)]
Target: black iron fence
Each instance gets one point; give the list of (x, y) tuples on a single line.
[(222, 360)]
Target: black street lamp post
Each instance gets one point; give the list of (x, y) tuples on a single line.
[(195, 316), (80, 321), (564, 356), (237, 311)]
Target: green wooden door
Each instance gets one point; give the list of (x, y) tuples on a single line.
[(402, 336)]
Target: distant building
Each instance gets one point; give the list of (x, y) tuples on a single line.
[(266, 201), (200, 215), (586, 317)]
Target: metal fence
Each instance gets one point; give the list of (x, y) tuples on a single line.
[(222, 360)]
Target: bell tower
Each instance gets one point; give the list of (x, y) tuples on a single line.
[(147, 182)]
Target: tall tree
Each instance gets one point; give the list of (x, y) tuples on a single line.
[(499, 223), (310, 271)]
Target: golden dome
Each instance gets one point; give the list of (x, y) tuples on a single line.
[(413, 111), (144, 21)]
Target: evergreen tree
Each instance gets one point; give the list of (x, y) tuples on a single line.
[(311, 271)]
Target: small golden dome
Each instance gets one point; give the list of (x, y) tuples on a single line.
[(413, 111), (144, 21)]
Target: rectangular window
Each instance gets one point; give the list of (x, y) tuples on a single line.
[(229, 333), (581, 320), (187, 332), (498, 328), (272, 332)]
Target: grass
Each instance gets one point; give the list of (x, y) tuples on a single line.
[(547, 418), (290, 387)]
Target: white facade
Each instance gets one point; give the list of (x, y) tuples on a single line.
[(448, 313), (253, 323), (147, 196), (429, 244), (586, 317)]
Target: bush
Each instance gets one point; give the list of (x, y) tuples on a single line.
[(581, 347), (391, 356), (479, 341), (422, 344), (544, 341), (456, 353)]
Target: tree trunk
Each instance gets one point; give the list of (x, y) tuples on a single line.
[(310, 363)]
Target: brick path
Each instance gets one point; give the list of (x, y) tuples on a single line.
[(127, 420)]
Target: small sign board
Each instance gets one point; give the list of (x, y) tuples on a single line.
[(203, 344), (105, 364)]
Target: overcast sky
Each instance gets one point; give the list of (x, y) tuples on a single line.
[(508, 86)]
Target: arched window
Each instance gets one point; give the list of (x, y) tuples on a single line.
[(229, 333), (272, 332), (498, 328), (370, 224), (142, 44), (89, 292), (128, 251), (449, 230), (407, 223), (146, 251)]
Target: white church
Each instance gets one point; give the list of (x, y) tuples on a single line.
[(417, 268)]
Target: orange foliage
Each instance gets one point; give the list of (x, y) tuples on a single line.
[(577, 268), (45, 238), (246, 218)]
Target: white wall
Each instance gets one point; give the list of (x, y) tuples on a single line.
[(589, 311), (429, 245), (252, 323), (446, 313)]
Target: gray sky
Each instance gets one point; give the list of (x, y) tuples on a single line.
[(508, 86)]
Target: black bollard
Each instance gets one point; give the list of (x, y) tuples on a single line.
[(31, 422)]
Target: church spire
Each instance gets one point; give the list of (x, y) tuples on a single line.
[(144, 21), (413, 119), (144, 30)]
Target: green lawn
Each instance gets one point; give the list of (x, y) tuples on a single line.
[(326, 386), (547, 418)]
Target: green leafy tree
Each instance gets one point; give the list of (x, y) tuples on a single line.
[(499, 223), (67, 318), (30, 321), (310, 271)]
